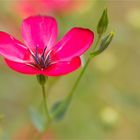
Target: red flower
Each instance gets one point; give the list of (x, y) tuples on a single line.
[(42, 55)]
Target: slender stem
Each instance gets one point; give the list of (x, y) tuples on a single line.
[(68, 99), (78, 79), (70, 95), (45, 103), (97, 42)]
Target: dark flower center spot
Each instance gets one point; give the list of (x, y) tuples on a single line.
[(42, 61)]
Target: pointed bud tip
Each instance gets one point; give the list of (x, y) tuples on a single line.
[(112, 33), (103, 23)]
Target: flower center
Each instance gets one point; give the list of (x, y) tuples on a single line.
[(42, 61)]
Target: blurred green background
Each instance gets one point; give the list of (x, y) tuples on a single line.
[(106, 104)]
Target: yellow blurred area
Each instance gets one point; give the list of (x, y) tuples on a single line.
[(133, 18), (109, 116)]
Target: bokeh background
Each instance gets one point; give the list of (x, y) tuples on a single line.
[(106, 104)]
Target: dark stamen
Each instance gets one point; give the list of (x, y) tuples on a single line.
[(43, 57), (42, 61), (36, 61), (47, 61), (36, 56), (43, 54)]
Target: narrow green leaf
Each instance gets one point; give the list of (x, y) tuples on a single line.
[(37, 119), (103, 23), (59, 109)]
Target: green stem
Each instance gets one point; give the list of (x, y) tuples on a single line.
[(70, 95), (97, 42), (45, 103), (78, 79)]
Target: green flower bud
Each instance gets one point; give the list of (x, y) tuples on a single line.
[(41, 79), (103, 23), (104, 44)]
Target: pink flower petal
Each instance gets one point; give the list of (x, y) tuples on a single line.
[(11, 48), (74, 43), (62, 68), (22, 68), (39, 31)]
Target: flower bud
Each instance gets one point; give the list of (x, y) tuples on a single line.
[(41, 79), (103, 23), (104, 44)]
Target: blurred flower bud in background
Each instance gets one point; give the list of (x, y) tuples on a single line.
[(25, 8), (109, 116)]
